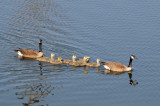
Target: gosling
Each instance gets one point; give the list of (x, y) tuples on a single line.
[(85, 59), (78, 62), (67, 61), (56, 62), (46, 59), (94, 64)]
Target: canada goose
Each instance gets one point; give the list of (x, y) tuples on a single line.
[(46, 59), (73, 60), (58, 61), (76, 63), (29, 53), (85, 59), (117, 66), (94, 64), (67, 61)]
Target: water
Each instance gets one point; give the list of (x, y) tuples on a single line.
[(111, 30)]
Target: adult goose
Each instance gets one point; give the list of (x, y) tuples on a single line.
[(29, 53), (117, 66)]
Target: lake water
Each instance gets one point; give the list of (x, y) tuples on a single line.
[(111, 30)]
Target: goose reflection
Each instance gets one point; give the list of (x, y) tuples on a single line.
[(108, 72), (50, 67), (40, 68), (35, 92), (131, 82), (85, 72)]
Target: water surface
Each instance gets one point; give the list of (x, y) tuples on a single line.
[(111, 30)]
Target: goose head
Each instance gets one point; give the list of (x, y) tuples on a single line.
[(60, 59), (98, 60), (130, 61), (86, 58), (74, 58), (52, 55), (133, 57), (40, 45)]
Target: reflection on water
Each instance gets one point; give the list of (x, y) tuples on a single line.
[(34, 92), (131, 82), (108, 72), (106, 29)]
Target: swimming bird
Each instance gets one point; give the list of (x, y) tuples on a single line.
[(29, 53), (93, 64), (67, 61), (85, 59), (46, 59), (117, 66), (73, 60), (77, 63), (58, 61)]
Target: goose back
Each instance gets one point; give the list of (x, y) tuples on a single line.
[(115, 66)]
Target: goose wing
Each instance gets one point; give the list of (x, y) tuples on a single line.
[(115, 66), (28, 52)]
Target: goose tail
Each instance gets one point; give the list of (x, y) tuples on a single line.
[(16, 50)]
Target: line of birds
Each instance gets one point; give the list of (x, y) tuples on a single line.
[(111, 66)]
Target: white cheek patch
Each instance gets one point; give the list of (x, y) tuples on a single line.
[(19, 53), (132, 57), (106, 67)]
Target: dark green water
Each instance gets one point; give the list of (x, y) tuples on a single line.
[(111, 30)]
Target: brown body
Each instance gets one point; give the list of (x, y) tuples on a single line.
[(58, 61), (67, 61), (93, 64), (46, 59), (29, 53), (117, 66), (77, 64), (80, 62), (84, 60)]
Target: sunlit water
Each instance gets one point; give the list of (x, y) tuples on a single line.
[(111, 30)]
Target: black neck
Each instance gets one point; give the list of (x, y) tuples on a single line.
[(40, 47), (130, 63)]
